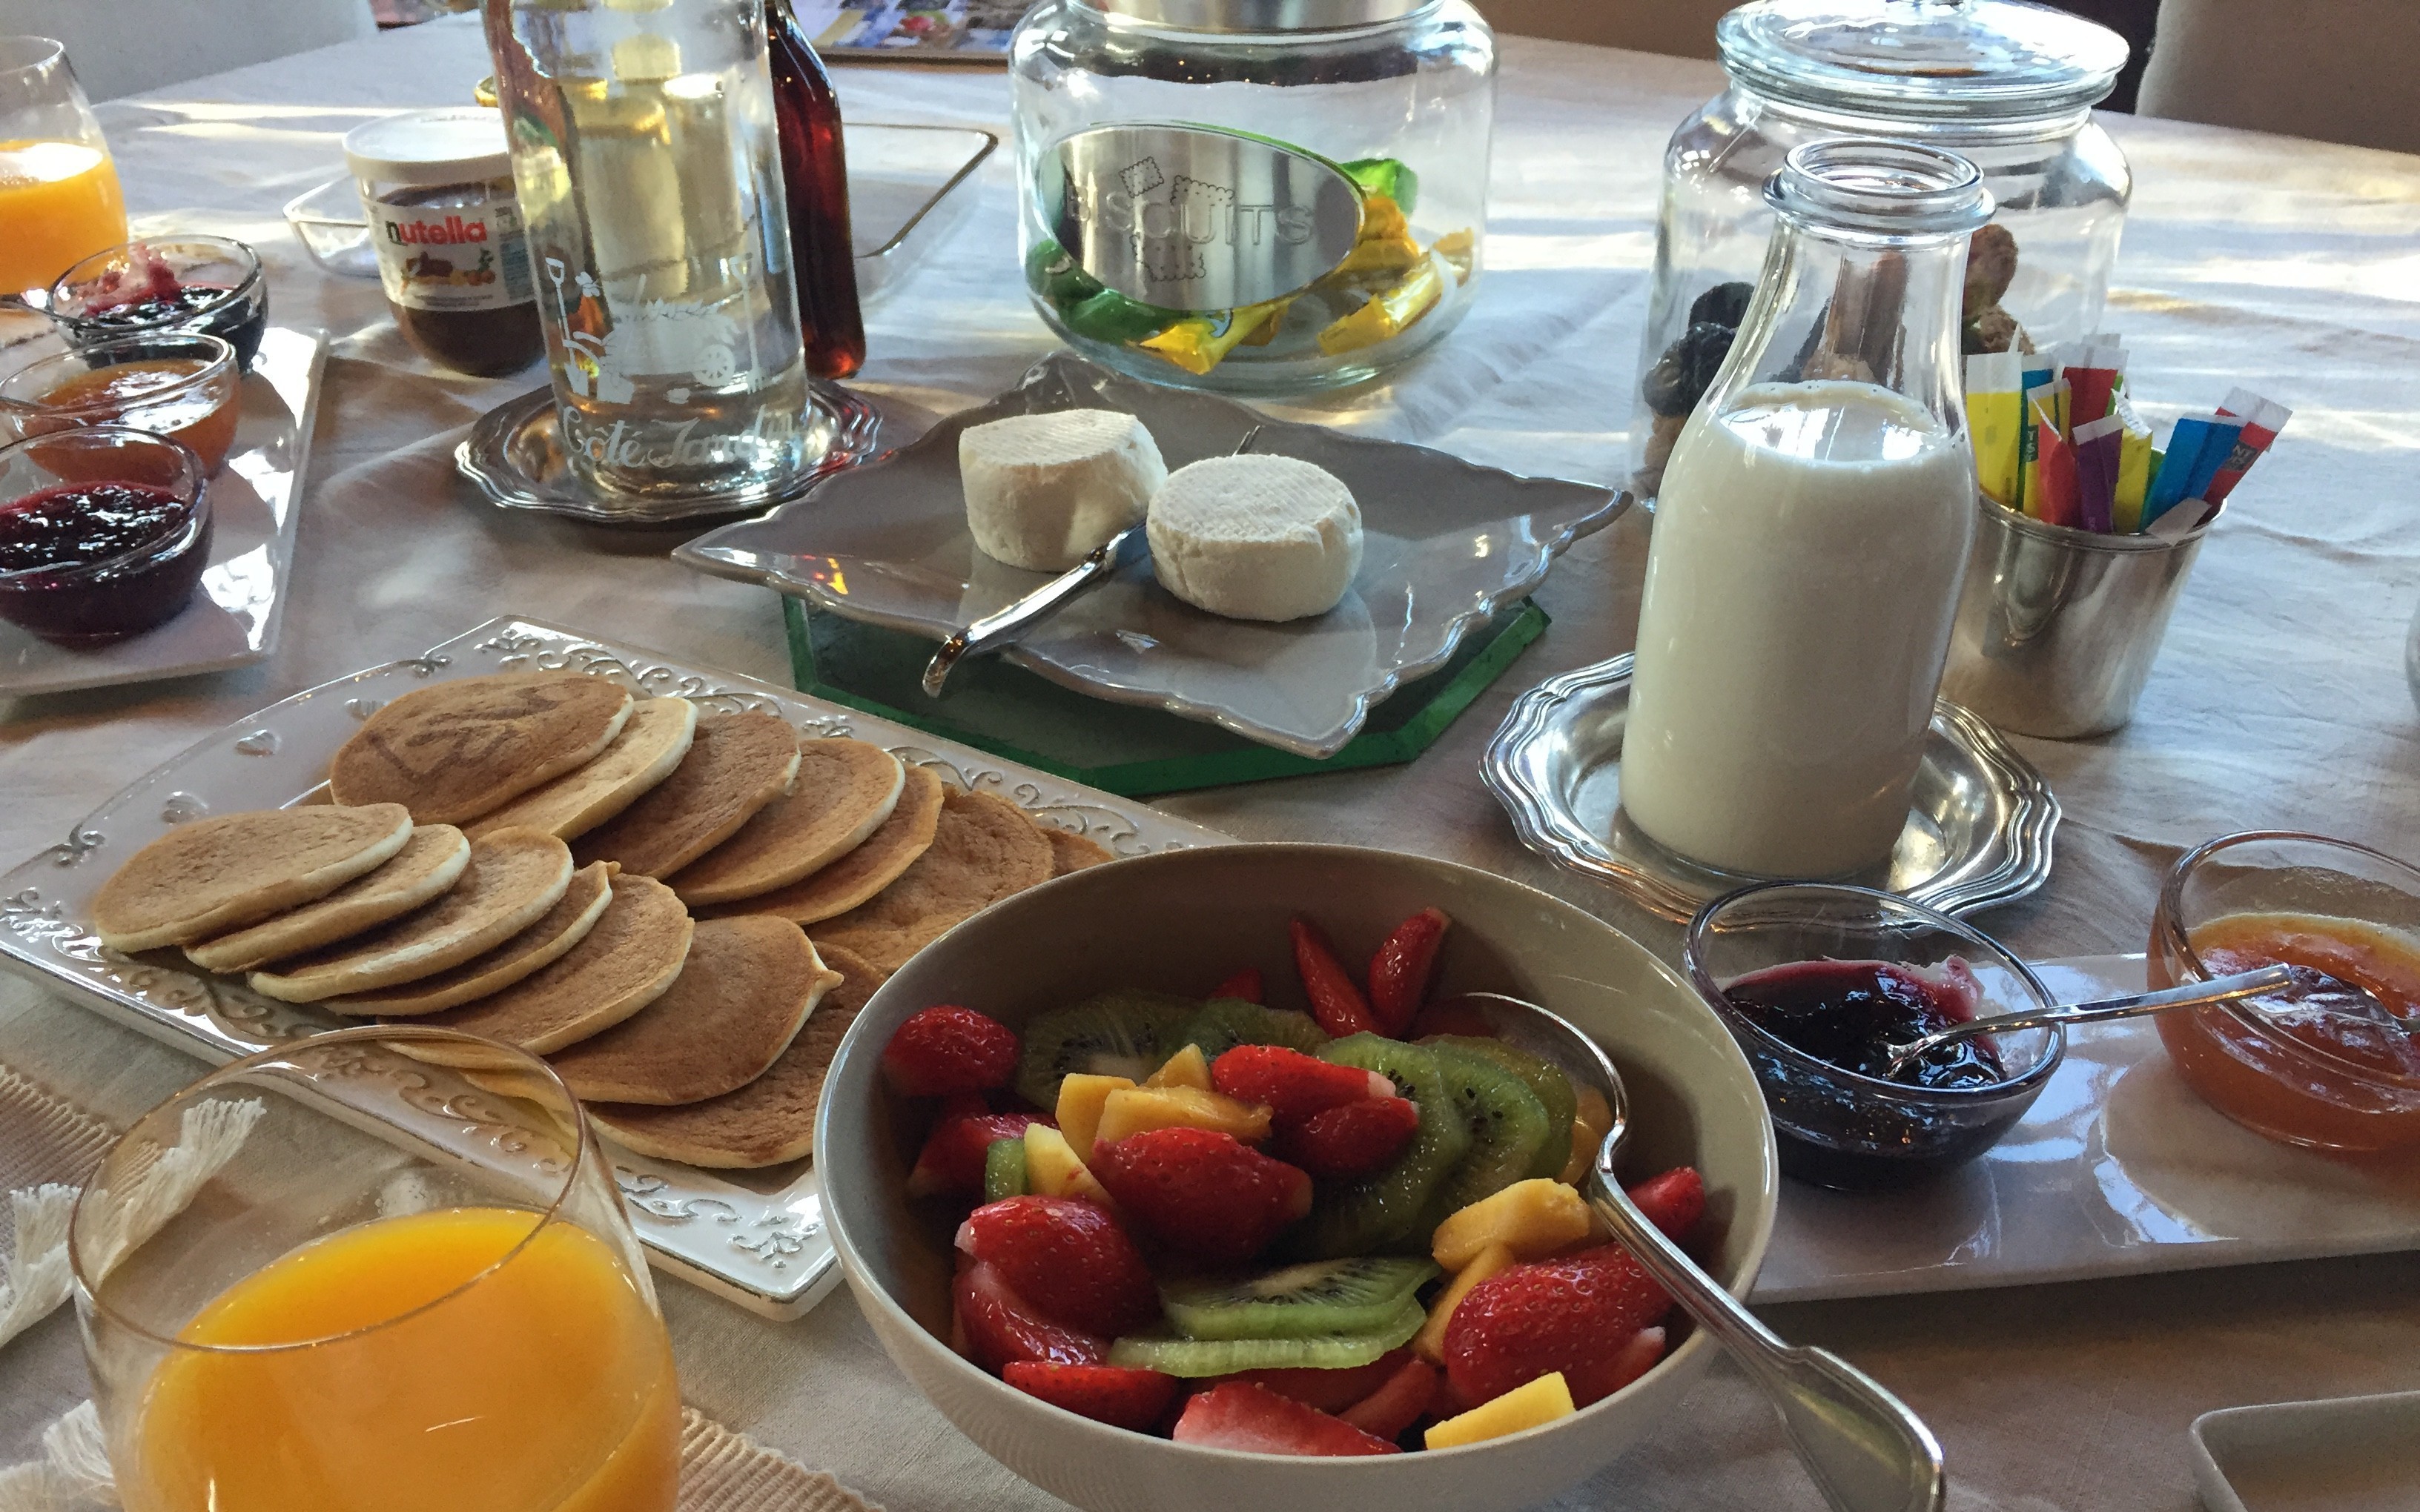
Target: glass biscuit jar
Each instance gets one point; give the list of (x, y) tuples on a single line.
[(2008, 85), (1257, 196)]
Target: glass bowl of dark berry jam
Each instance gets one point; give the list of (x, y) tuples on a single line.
[(103, 533), (213, 284), (1815, 978)]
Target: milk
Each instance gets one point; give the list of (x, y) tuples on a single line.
[(1808, 552)]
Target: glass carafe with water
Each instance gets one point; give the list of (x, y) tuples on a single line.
[(648, 170), (1813, 530)]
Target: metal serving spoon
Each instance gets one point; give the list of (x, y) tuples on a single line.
[(2334, 994), (1004, 625), (1865, 1451)]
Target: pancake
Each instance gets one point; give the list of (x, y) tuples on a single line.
[(454, 750), (872, 866), (844, 790), (748, 985), (737, 765), (772, 1118), (652, 742), (430, 862), (212, 875), (514, 877), (625, 963), (984, 850), (1071, 852), (556, 932)]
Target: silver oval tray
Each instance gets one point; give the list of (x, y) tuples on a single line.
[(757, 1237), (1978, 830)]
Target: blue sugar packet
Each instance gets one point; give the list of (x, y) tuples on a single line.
[(2195, 438)]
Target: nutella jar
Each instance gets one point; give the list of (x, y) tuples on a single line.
[(437, 188)]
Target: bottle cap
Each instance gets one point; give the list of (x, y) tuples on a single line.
[(458, 144)]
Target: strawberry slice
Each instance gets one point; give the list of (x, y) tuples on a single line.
[(1579, 1315), (1335, 1001), (1385, 1412), (947, 1050), (1400, 972), (1241, 1415), (1352, 1138), (1068, 1259), (1330, 1391), (1294, 1085), (1108, 1394), (1246, 984), (951, 1161), (1204, 1195), (999, 1326), (1673, 1201)]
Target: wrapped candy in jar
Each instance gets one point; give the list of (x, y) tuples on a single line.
[(2007, 85), (1259, 196)]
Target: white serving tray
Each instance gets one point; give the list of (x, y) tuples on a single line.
[(2343, 1453), (2117, 1169), (758, 1237)]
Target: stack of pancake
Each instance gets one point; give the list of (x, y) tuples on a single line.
[(682, 911)]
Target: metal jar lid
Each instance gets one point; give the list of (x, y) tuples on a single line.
[(1263, 17), (1935, 60)]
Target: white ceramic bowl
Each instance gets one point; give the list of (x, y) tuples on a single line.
[(1181, 921)]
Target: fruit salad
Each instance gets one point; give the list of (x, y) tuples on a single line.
[(1353, 1230)]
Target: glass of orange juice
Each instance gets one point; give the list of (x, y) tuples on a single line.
[(59, 198), (344, 1275)]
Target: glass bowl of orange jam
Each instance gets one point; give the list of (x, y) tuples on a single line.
[(183, 386), (2296, 1071)]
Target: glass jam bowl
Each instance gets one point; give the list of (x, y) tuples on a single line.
[(213, 284), (181, 386), (103, 533), (2321, 1081), (1776, 961)]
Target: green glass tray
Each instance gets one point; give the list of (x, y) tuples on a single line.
[(1135, 753)]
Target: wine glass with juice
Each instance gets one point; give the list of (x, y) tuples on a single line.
[(60, 199), (344, 1274)]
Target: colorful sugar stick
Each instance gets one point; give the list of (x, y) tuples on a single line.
[(2094, 383), (2058, 503), (2185, 443), (2098, 443), (2214, 455), (2262, 420), (2137, 461), (1995, 417)]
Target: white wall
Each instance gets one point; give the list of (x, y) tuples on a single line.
[(123, 47)]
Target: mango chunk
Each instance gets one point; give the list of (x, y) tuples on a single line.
[(1186, 1068), (1052, 1170), (1131, 1112), (1429, 1342), (1080, 1098), (1541, 1401), (1591, 1123), (1533, 1219)]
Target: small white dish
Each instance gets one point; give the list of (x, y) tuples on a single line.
[(2345, 1453)]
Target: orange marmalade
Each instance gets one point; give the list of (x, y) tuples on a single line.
[(2293, 1070)]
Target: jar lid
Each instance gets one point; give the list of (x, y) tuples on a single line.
[(1923, 60), (1262, 16), (458, 144)]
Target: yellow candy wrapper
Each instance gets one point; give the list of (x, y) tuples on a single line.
[(1388, 311), (1199, 343), (1384, 246), (1459, 250)]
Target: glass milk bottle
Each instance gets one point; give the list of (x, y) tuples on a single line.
[(1814, 530), (649, 173)]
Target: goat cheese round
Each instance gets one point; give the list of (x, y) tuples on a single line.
[(1043, 490), (1256, 537)]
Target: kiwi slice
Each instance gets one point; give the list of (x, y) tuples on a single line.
[(1545, 1079), (1004, 1169), (1347, 1296), (1314, 1351), (1225, 1023), (1116, 1034), (1509, 1127), (1373, 1211)]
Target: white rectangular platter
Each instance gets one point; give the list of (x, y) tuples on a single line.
[(2117, 1169), (758, 1237), (232, 621)]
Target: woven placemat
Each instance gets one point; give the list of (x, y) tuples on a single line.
[(44, 1137)]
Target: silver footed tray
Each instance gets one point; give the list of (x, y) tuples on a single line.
[(758, 1237), (1978, 828)]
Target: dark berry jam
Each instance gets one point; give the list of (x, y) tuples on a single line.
[(203, 307), (54, 545), (1850, 1012)]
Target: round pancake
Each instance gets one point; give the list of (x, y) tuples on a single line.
[(844, 790), (984, 849), (454, 750), (212, 875), (872, 866), (430, 862), (514, 876), (748, 985), (652, 742), (772, 1118), (1071, 852), (556, 932), (625, 963), (737, 765)]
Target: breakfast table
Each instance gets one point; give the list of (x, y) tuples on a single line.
[(2279, 700)]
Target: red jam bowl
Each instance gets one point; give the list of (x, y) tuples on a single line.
[(211, 285), (103, 533)]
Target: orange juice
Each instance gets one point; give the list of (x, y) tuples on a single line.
[(543, 1385), (61, 204)]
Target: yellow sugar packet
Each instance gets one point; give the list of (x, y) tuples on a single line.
[(2133, 467), (1996, 424)]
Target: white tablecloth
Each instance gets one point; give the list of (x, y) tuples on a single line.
[(2279, 700)]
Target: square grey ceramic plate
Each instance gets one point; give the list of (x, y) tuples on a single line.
[(757, 1237), (1448, 543)]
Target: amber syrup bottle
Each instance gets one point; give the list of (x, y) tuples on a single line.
[(815, 179)]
